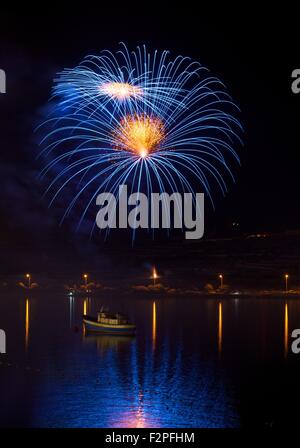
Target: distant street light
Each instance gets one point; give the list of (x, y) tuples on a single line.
[(221, 280), (28, 276), (286, 282), (154, 276), (85, 276)]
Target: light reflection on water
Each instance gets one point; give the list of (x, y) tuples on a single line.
[(220, 330), (153, 325), (26, 324), (286, 329), (171, 374)]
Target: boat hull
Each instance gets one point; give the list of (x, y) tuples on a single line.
[(97, 327)]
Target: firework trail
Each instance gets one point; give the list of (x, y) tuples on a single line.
[(145, 119)]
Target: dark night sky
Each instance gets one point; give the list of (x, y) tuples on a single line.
[(253, 52)]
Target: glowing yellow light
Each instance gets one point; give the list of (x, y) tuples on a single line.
[(153, 325), (221, 280), (220, 328), (140, 134), (120, 90), (286, 329), (26, 324), (28, 276), (286, 282), (154, 274)]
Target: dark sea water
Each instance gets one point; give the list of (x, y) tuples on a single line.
[(195, 362)]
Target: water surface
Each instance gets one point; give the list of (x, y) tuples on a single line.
[(195, 362)]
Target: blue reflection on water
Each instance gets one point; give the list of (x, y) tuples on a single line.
[(195, 362), (160, 378)]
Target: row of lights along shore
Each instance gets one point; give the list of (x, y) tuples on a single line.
[(155, 276)]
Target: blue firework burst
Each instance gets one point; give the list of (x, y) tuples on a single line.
[(140, 118)]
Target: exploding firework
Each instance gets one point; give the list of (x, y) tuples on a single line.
[(140, 118), (120, 91), (139, 134), (136, 81)]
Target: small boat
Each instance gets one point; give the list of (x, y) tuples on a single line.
[(109, 324)]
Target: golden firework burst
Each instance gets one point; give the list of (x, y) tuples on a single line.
[(139, 134)]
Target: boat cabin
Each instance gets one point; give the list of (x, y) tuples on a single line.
[(112, 319)]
